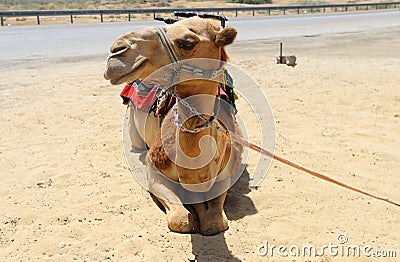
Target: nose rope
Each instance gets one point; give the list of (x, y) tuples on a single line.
[(257, 148), (210, 124)]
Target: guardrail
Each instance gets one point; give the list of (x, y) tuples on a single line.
[(154, 11)]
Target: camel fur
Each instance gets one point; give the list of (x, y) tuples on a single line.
[(137, 55)]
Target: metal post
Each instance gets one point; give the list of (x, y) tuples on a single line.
[(129, 17), (284, 11), (72, 19), (324, 9), (38, 20), (2, 21), (269, 11), (345, 9), (236, 12), (311, 10), (335, 8), (298, 10), (280, 53), (253, 12), (101, 18)]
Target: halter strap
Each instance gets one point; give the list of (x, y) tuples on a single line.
[(168, 45), (179, 66)]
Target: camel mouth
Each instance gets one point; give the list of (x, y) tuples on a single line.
[(118, 72)]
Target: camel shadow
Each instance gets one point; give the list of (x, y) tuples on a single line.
[(237, 205), (211, 248)]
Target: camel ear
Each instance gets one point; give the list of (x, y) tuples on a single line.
[(226, 36)]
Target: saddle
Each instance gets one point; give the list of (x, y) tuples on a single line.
[(152, 98)]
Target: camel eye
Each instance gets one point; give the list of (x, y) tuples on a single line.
[(186, 44)]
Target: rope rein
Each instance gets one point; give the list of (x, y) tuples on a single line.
[(243, 141), (173, 55), (307, 170)]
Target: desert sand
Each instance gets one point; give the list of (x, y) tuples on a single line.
[(67, 194)]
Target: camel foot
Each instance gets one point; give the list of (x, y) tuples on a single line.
[(213, 222), (181, 221)]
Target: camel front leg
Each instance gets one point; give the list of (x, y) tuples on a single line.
[(212, 216), (178, 217), (138, 144)]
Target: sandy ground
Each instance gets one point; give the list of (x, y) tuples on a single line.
[(67, 194)]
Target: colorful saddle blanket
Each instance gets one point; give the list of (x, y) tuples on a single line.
[(141, 94), (144, 95)]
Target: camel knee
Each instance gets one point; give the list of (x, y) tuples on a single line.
[(181, 221)]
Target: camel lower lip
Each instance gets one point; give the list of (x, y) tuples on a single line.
[(119, 79)]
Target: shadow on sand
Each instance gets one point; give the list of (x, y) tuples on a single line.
[(237, 205)]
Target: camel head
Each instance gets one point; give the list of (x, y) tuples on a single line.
[(139, 53)]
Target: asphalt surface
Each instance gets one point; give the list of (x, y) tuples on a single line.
[(63, 41)]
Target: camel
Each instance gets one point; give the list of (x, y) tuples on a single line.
[(189, 162)]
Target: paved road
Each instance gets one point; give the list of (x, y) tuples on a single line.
[(54, 41)]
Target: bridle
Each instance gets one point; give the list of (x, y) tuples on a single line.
[(180, 67), (199, 72)]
